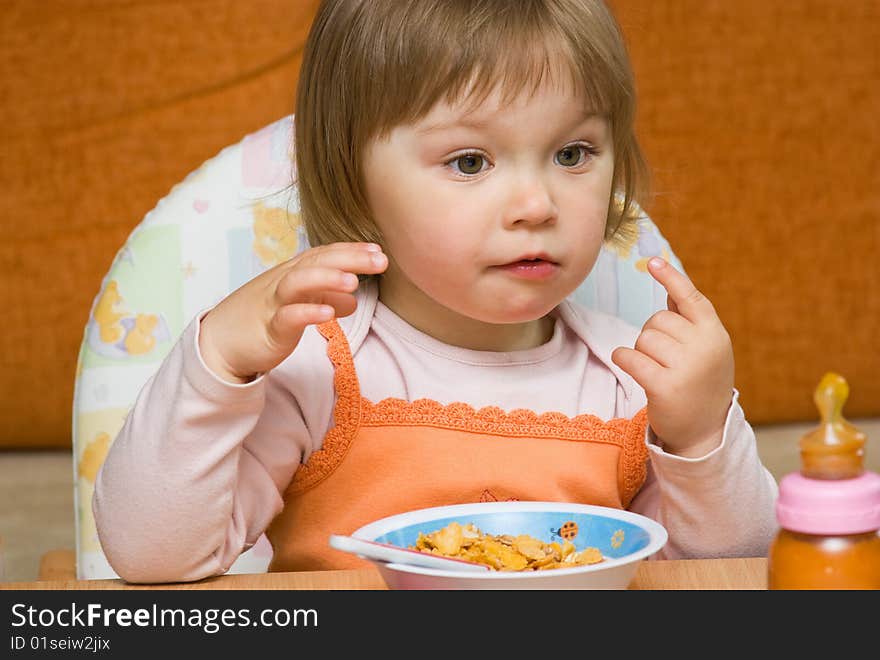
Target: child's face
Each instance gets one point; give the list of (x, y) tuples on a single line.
[(466, 201)]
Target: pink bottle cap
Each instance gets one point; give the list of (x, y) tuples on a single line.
[(820, 506)]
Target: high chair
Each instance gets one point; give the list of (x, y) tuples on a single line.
[(226, 222)]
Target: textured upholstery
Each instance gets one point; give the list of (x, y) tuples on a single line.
[(105, 106), (758, 118)]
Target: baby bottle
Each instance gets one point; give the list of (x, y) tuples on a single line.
[(829, 511)]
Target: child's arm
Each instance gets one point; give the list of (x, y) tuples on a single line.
[(718, 505), (706, 482), (151, 511), (195, 474), (197, 471)]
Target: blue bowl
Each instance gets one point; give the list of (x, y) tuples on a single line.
[(624, 539)]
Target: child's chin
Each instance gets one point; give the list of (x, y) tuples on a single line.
[(519, 312)]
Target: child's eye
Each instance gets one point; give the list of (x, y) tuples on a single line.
[(574, 155), (468, 164)]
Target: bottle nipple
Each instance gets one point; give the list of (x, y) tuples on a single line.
[(834, 450)]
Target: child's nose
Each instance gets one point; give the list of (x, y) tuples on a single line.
[(530, 203)]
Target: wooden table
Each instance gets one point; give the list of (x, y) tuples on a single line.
[(688, 574)]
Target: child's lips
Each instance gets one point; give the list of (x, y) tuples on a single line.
[(539, 268)]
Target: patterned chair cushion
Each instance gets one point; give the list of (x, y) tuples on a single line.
[(229, 220)]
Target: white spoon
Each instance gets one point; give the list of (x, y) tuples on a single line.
[(397, 555)]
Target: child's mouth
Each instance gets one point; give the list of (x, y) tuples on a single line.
[(536, 268)]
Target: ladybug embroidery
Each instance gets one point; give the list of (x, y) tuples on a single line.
[(567, 531), (488, 496)]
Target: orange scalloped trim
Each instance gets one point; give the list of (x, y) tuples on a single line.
[(633, 468), (352, 411), (491, 420), (346, 413)]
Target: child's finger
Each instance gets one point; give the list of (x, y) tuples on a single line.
[(343, 245), (660, 347), (356, 258), (642, 368), (287, 324), (337, 247), (343, 304), (684, 297), (670, 322), (308, 284)]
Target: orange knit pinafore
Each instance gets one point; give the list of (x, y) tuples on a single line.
[(380, 459)]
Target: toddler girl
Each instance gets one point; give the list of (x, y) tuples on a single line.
[(460, 164)]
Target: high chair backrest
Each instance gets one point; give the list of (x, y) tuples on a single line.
[(229, 220)]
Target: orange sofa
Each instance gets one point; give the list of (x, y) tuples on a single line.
[(758, 119)]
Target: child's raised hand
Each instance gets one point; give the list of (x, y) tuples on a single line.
[(257, 326), (683, 359)]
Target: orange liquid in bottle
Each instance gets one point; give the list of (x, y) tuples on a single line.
[(812, 561)]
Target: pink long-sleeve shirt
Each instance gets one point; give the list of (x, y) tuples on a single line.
[(198, 470)]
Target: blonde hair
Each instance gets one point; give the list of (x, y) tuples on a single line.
[(371, 65)]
